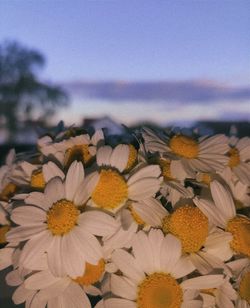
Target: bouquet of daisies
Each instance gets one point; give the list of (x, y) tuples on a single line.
[(153, 219)]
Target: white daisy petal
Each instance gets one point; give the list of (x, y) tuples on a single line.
[(151, 211), (23, 233), (150, 171), (223, 200), (13, 278), (76, 297), (54, 290), (51, 170), (98, 223), (212, 213), (54, 190), (144, 189), (103, 156), (84, 191), (182, 268), (72, 261), (88, 245), (28, 215), (119, 303), (119, 157), (34, 248), (74, 179), (143, 253), (38, 199), (200, 263), (123, 287), (127, 264), (97, 137), (40, 280), (170, 252), (156, 238), (203, 282), (55, 257), (21, 294)]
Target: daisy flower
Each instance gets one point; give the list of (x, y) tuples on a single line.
[(222, 214), (240, 191), (36, 176), (241, 268), (81, 147), (113, 188), (221, 297), (16, 278), (173, 187), (205, 154), (151, 276), (146, 213), (239, 157), (52, 222), (191, 227), (42, 288)]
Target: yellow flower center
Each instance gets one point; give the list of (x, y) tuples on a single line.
[(244, 289), (77, 152), (8, 192), (62, 217), (234, 157), (132, 157), (37, 179), (159, 290), (92, 274), (3, 231), (184, 146), (206, 178), (135, 216), (165, 169), (240, 228), (190, 225), (111, 190)]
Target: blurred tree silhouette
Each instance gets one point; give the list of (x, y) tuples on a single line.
[(22, 94)]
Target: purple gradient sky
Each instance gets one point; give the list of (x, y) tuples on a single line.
[(136, 39)]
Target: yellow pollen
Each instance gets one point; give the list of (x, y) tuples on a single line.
[(159, 290), (206, 178), (132, 157), (240, 228), (165, 168), (135, 216), (234, 157), (244, 289), (37, 179), (62, 217), (8, 192), (3, 231), (92, 274), (184, 146), (190, 225), (111, 191), (77, 152)]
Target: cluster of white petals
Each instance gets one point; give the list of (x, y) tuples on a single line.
[(152, 219)]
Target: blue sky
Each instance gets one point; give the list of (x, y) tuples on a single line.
[(205, 41), (135, 39)]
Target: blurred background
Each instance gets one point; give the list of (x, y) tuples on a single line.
[(107, 63), (114, 63)]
